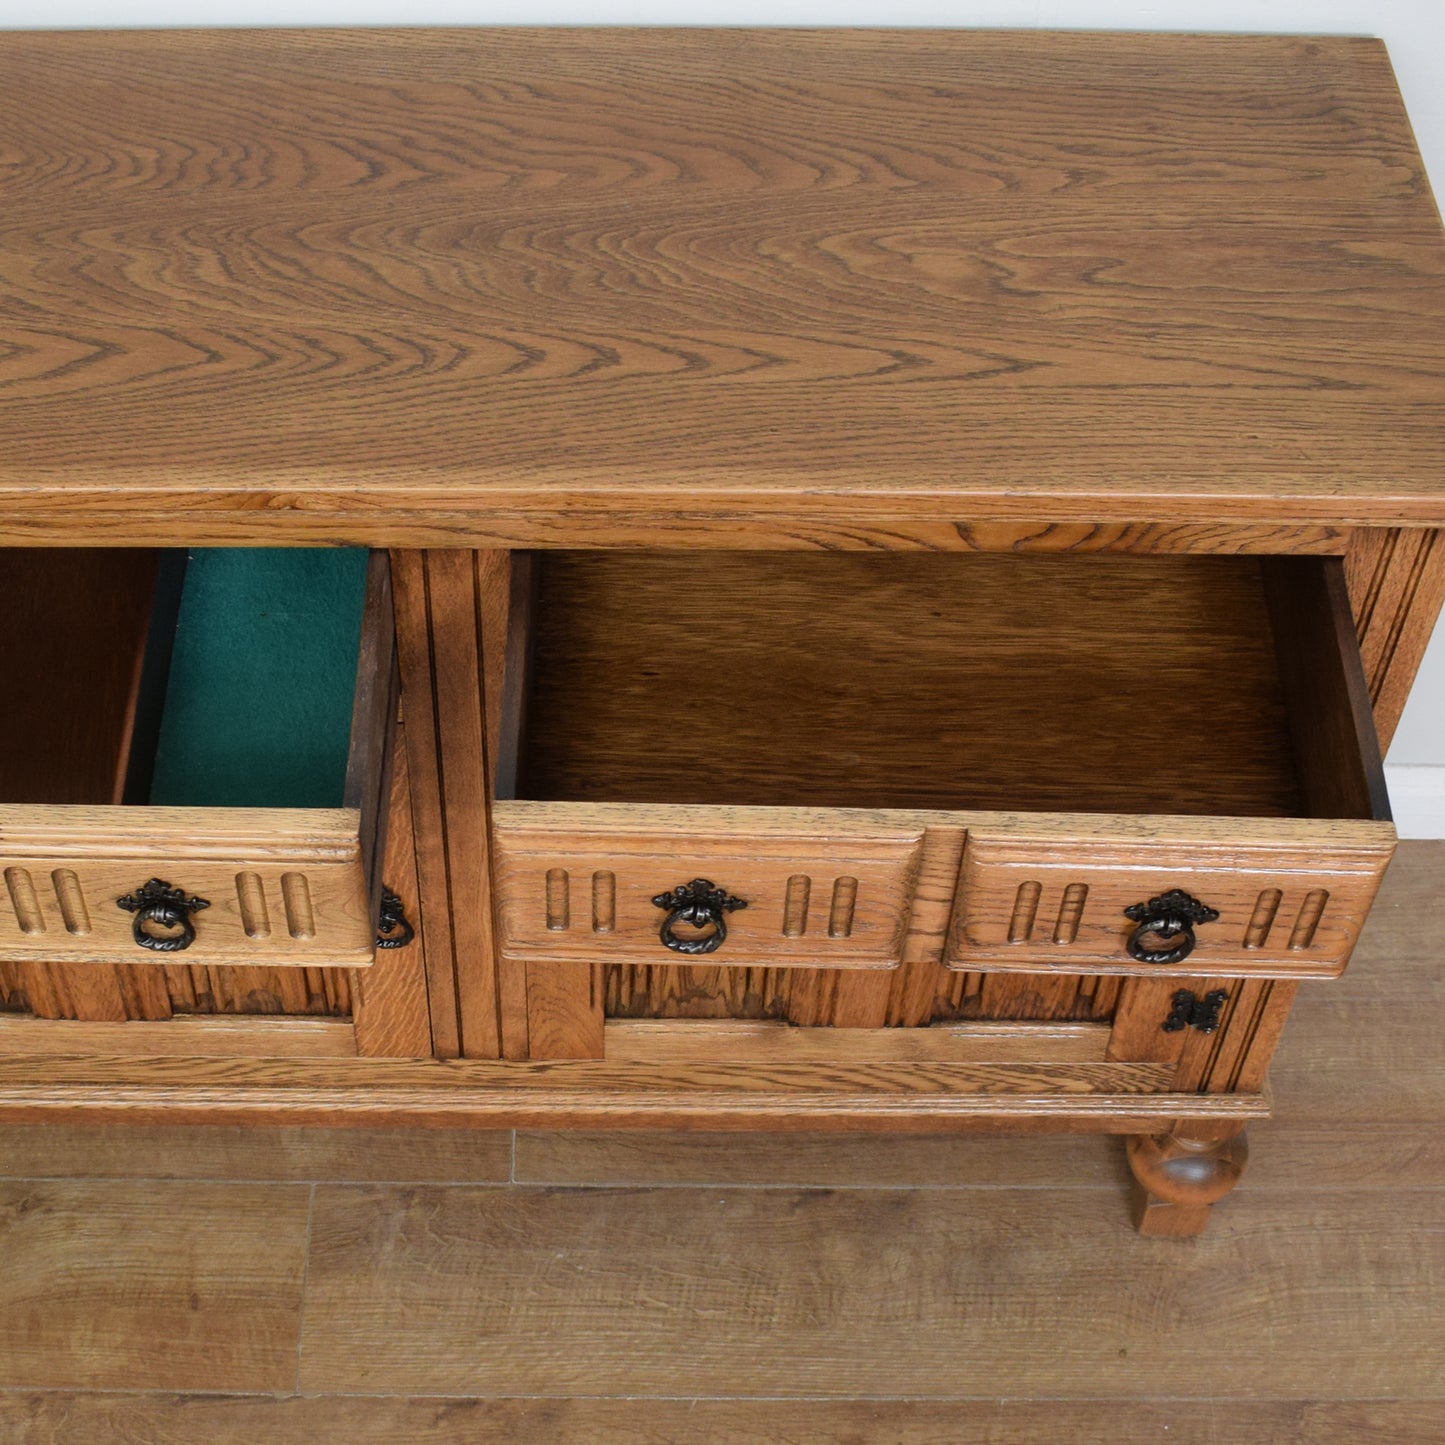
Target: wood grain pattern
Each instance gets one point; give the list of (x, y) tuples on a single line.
[(1137, 1029), (679, 991), (73, 645), (1336, 1210), (846, 998), (287, 888), (506, 588), (1238, 1054), (1336, 748), (625, 1294), (273, 992), (440, 650), (881, 862), (741, 1041), (908, 996), (904, 274), (371, 753), (250, 1153), (508, 605), (1345, 864), (1396, 582), (319, 906), (1025, 996), (1147, 537), (102, 1292), (1123, 860), (828, 1161), (390, 1003), (564, 1010), (867, 1096), (232, 1035), (682, 531), (1181, 1174), (59, 1419), (906, 681)]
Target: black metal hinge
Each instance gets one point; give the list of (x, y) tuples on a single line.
[(1192, 1012)]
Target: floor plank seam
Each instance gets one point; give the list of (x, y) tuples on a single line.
[(815, 1187), (305, 1274), (300, 1182), (1132, 1397)]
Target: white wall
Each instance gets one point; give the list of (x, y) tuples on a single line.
[(1413, 29)]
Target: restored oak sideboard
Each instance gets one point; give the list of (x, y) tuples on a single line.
[(703, 579)]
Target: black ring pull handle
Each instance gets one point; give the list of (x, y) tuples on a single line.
[(393, 928), (1170, 919), (162, 920), (700, 904)]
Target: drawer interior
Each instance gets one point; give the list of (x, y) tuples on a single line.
[(214, 678), (1121, 684)]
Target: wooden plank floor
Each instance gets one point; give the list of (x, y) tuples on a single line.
[(220, 1285)]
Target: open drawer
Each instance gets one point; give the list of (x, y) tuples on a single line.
[(794, 741), (194, 756)]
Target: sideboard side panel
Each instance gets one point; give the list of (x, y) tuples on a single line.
[(1396, 580)]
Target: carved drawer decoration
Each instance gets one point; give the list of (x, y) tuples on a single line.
[(623, 895), (288, 890), (1287, 903)]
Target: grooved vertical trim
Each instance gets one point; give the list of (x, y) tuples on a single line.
[(296, 899), (1026, 908), (71, 899), (1250, 1070), (1262, 919), (1071, 910), (559, 900), (390, 1007), (440, 653), (1199, 1059), (604, 900), (503, 583), (251, 897), (455, 604), (24, 900), (1396, 582), (845, 899), (795, 905), (1308, 920), (1236, 1057)]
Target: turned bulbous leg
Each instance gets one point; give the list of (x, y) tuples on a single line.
[(1180, 1175)]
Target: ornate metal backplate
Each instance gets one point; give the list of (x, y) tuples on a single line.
[(1169, 917), (157, 905), (701, 904)]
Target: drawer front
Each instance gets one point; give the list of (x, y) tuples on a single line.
[(605, 889), (1290, 896), (276, 887), (263, 886)]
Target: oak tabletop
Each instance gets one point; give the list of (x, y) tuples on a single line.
[(420, 285)]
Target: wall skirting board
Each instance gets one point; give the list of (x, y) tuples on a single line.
[(1417, 795)]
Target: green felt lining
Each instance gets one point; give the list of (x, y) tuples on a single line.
[(258, 703)]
